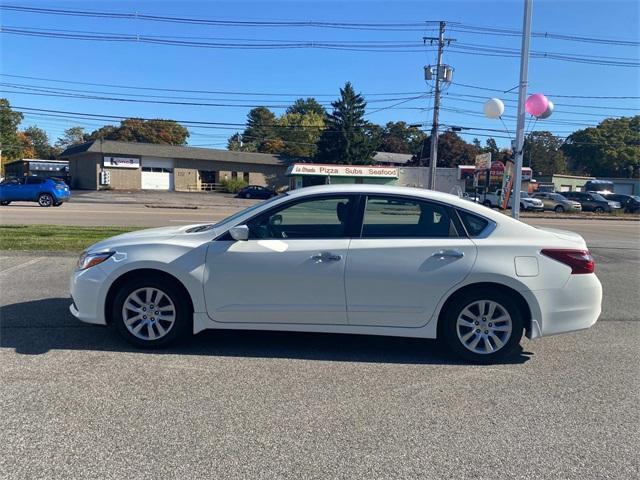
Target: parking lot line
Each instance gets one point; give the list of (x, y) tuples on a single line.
[(21, 265)]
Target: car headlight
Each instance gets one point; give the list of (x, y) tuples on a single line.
[(88, 260)]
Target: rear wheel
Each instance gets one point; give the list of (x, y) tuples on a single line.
[(45, 200), (559, 209), (151, 312), (483, 326), (598, 210), (5, 203)]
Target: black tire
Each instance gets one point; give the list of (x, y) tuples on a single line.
[(247, 195), (487, 203), (598, 210), (559, 209), (57, 204), (45, 200), (5, 203), (459, 303), (523, 207), (183, 316)]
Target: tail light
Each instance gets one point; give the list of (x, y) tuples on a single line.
[(580, 261)]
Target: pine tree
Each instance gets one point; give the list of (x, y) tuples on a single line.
[(347, 138)]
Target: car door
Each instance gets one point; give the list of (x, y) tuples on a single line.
[(289, 271), (409, 254), (32, 188), (10, 190)]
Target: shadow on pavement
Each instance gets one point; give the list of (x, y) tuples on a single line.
[(39, 326)]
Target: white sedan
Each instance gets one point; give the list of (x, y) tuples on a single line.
[(363, 259)]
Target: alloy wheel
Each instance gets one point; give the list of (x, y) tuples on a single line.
[(148, 313), (45, 200), (484, 326)]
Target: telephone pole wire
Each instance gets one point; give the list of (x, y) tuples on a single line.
[(442, 73)]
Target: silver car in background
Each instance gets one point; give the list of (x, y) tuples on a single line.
[(557, 203)]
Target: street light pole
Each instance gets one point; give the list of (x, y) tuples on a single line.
[(522, 94)]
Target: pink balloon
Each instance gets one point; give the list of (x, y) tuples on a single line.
[(536, 104)]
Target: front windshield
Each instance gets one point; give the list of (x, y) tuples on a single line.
[(557, 196), (239, 214), (597, 196), (524, 194)]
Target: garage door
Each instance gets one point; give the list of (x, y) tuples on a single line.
[(157, 174)]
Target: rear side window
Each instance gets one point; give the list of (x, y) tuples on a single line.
[(474, 224), (397, 217), (34, 180)]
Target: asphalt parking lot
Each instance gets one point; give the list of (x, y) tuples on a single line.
[(78, 402)]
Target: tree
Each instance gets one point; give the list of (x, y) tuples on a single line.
[(611, 149), (398, 137), (160, 131), (347, 137), (300, 133), (9, 121), (452, 150), (71, 136), (543, 152), (259, 134), (306, 106), (39, 139)]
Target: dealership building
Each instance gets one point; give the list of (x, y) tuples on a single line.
[(133, 166)]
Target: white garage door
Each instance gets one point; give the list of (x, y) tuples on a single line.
[(157, 174)]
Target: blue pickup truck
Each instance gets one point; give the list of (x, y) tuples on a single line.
[(46, 191)]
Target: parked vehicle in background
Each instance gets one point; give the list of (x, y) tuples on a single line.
[(494, 200), (557, 203), (472, 197), (592, 202), (256, 191), (368, 259), (598, 186), (629, 203), (46, 191)]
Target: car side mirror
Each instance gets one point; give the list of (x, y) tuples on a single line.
[(239, 233)]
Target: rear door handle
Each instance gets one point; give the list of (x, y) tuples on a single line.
[(448, 254), (326, 257)]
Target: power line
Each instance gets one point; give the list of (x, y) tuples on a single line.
[(607, 97)]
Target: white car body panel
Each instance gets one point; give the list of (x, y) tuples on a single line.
[(289, 293)]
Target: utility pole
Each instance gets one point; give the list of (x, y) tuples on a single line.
[(443, 73), (522, 94)]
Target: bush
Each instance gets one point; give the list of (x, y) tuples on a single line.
[(233, 185)]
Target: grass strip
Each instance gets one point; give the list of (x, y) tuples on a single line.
[(55, 237)]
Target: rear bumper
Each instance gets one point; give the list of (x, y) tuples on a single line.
[(576, 306)]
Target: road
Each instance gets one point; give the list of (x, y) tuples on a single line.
[(78, 402)]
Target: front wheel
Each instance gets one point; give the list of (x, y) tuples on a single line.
[(151, 312), (45, 200), (598, 210), (559, 209), (483, 326)]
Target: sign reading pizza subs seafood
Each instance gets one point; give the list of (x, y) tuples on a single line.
[(342, 170)]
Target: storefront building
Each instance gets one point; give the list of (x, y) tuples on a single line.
[(142, 166)]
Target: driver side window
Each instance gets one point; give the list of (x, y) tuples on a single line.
[(323, 217)]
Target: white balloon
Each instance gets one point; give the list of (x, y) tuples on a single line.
[(547, 112), (493, 108)]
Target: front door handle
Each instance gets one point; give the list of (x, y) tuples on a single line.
[(442, 254), (323, 257)]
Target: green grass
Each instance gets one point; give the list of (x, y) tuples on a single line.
[(54, 237)]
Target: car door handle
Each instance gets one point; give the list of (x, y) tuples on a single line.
[(326, 257), (448, 254)]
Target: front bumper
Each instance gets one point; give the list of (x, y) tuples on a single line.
[(86, 287), (575, 306), (534, 208)]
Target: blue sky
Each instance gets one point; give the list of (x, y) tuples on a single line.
[(317, 72)]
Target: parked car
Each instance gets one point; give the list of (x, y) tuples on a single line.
[(46, 191), (630, 203), (494, 200), (357, 259), (256, 191), (471, 197), (557, 203), (592, 202)]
